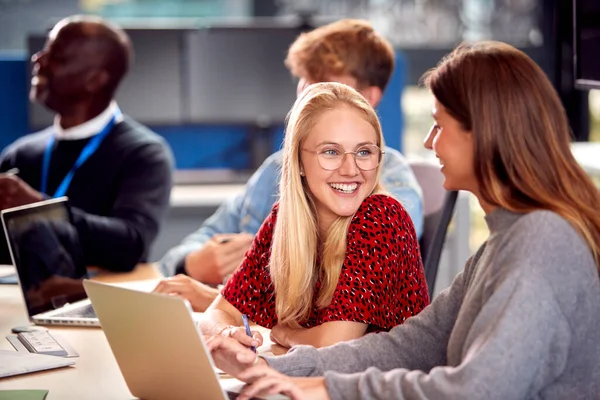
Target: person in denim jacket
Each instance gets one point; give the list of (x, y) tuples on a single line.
[(346, 51)]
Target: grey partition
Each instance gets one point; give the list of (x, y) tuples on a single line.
[(237, 75), (152, 90)]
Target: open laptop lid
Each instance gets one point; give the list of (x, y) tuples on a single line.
[(156, 343), (45, 251)]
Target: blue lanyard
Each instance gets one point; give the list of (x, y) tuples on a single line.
[(86, 153)]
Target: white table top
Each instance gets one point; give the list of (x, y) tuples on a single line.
[(203, 195)]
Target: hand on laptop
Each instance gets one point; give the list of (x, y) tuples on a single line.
[(241, 363), (198, 294), (264, 381), (219, 257), (14, 192)]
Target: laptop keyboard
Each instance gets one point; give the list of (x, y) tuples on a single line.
[(83, 312), (233, 396)]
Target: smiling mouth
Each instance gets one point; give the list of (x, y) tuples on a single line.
[(346, 188)]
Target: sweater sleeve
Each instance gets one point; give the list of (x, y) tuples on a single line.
[(401, 364), (6, 160), (6, 163), (121, 239), (494, 366), (419, 343)]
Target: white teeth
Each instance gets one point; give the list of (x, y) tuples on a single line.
[(344, 187)]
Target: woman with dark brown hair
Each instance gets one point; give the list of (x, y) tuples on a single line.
[(521, 321)]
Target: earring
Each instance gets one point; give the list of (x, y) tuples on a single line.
[(301, 172)]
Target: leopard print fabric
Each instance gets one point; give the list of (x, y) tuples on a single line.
[(382, 282)]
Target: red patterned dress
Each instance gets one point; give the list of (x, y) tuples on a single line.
[(382, 282)]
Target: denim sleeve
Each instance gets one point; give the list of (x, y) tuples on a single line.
[(399, 180), (262, 191), (244, 212), (224, 220)]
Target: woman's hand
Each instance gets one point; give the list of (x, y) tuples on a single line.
[(230, 355), (264, 381), (198, 294), (239, 333)]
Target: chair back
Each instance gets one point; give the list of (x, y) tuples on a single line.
[(438, 207)]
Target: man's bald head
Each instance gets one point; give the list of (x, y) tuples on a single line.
[(107, 45), (84, 60)]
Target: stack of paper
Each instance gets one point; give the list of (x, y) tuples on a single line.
[(17, 363)]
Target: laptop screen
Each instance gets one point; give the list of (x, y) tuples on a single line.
[(45, 250)]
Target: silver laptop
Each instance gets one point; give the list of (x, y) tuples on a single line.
[(158, 346), (44, 248)]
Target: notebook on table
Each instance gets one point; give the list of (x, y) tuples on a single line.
[(16, 363), (158, 332), (45, 250)]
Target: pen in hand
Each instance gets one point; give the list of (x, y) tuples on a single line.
[(248, 331)]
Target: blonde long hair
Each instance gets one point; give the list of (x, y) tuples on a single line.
[(523, 160), (296, 242)]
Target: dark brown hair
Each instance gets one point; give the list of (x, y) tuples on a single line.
[(523, 160)]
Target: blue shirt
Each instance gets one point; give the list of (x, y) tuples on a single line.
[(247, 211)]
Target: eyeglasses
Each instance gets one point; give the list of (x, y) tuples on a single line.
[(332, 156)]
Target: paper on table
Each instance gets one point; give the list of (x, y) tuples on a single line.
[(16, 363), (6, 270), (146, 285), (8, 275)]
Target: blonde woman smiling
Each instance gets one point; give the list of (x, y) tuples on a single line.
[(337, 257)]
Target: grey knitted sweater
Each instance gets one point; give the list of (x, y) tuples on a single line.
[(522, 321)]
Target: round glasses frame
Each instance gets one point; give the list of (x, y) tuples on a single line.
[(331, 162)]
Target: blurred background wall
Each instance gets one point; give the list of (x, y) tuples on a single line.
[(421, 30)]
